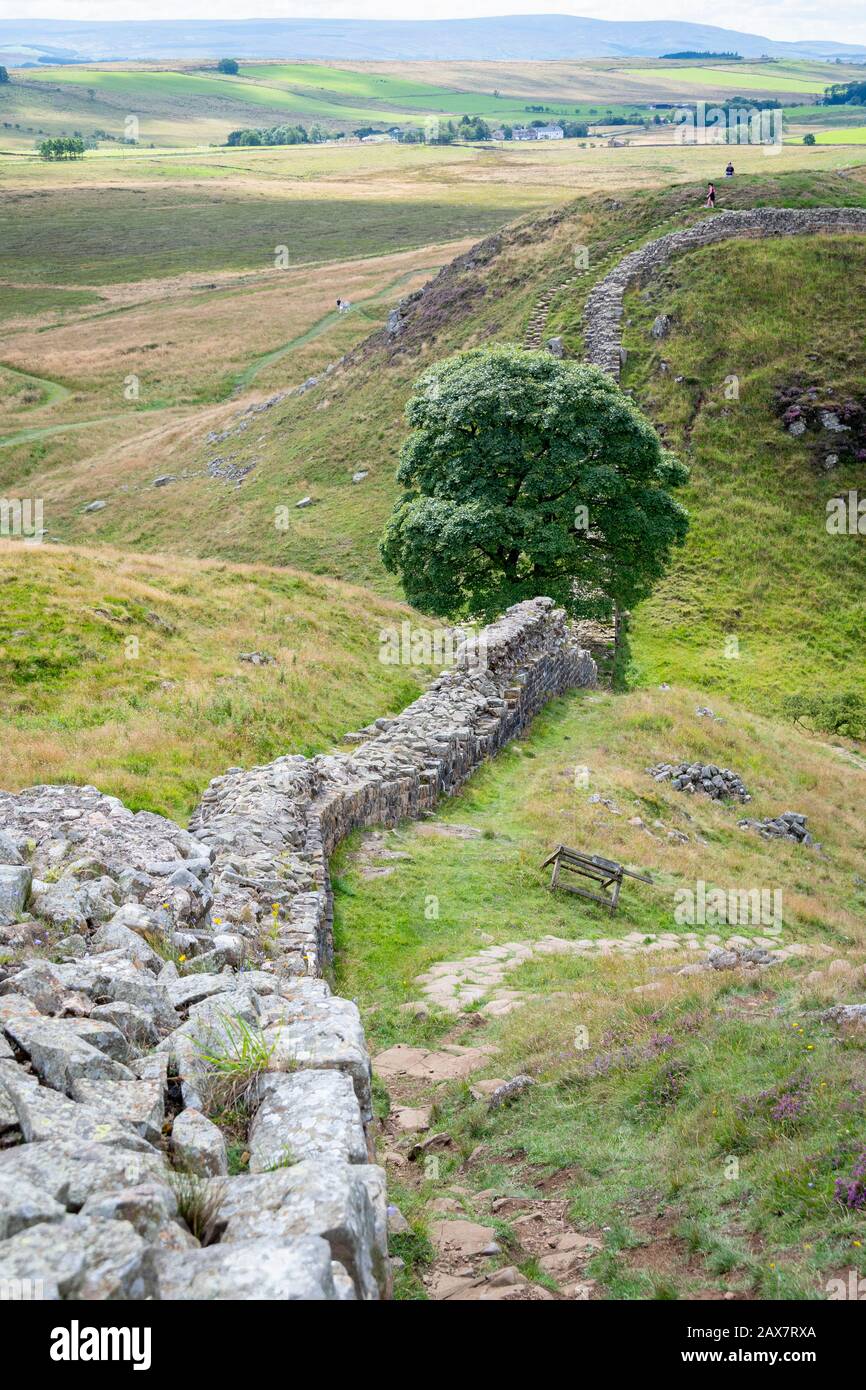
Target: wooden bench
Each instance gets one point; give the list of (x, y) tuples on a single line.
[(607, 873)]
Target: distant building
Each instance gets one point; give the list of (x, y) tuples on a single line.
[(498, 134), (379, 139), (537, 132)]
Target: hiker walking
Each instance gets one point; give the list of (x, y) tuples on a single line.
[(711, 196)]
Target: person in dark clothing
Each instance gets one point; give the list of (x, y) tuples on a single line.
[(711, 196), (729, 172)]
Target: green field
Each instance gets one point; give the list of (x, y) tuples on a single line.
[(93, 237), (850, 135)]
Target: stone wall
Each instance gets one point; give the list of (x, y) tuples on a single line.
[(152, 973), (604, 305)]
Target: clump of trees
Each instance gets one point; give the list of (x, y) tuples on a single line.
[(702, 53), (845, 94), (525, 474), (4, 74), (62, 147), (829, 713), (228, 65), (277, 135)]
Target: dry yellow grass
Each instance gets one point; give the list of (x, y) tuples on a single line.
[(123, 671)]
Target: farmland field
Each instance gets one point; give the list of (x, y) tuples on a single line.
[(849, 135)]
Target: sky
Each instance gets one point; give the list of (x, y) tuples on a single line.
[(839, 20)]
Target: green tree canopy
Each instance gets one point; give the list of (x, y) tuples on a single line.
[(524, 475), (227, 65)]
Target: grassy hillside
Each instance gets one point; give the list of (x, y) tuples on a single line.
[(637, 1125), (124, 670), (753, 484), (186, 103), (763, 600)]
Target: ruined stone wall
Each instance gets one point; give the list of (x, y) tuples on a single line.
[(139, 952), (604, 305)]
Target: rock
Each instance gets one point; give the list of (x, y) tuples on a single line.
[(263, 1270), (44, 1114), (40, 982), (305, 502), (555, 347), (198, 1145), (164, 479), (61, 905), (464, 1239), (70, 1171), (9, 851), (509, 1091), (22, 1205), (150, 1209), (15, 880), (138, 1104), (360, 475), (94, 507), (135, 1026), (397, 1223), (411, 1119), (303, 1115), (715, 782), (343, 1203), (450, 1063), (506, 1277), (81, 1258), (661, 326), (323, 1035), (258, 658), (59, 1055)]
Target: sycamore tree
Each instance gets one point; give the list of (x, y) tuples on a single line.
[(524, 475)]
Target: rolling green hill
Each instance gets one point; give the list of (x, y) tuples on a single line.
[(755, 488)]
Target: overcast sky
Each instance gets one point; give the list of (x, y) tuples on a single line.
[(841, 20)]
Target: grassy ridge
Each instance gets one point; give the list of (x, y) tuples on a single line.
[(123, 670)]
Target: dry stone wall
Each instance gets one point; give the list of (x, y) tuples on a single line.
[(138, 959), (604, 305)]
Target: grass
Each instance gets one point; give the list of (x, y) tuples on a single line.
[(752, 607), (123, 671), (707, 79), (849, 135), (668, 1133)]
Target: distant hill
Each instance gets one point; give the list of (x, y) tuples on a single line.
[(509, 37)]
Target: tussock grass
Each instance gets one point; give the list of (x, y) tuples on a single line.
[(154, 727)]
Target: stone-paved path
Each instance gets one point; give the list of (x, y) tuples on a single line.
[(456, 985)]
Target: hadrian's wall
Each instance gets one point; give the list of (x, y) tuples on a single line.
[(140, 952), (604, 305)]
